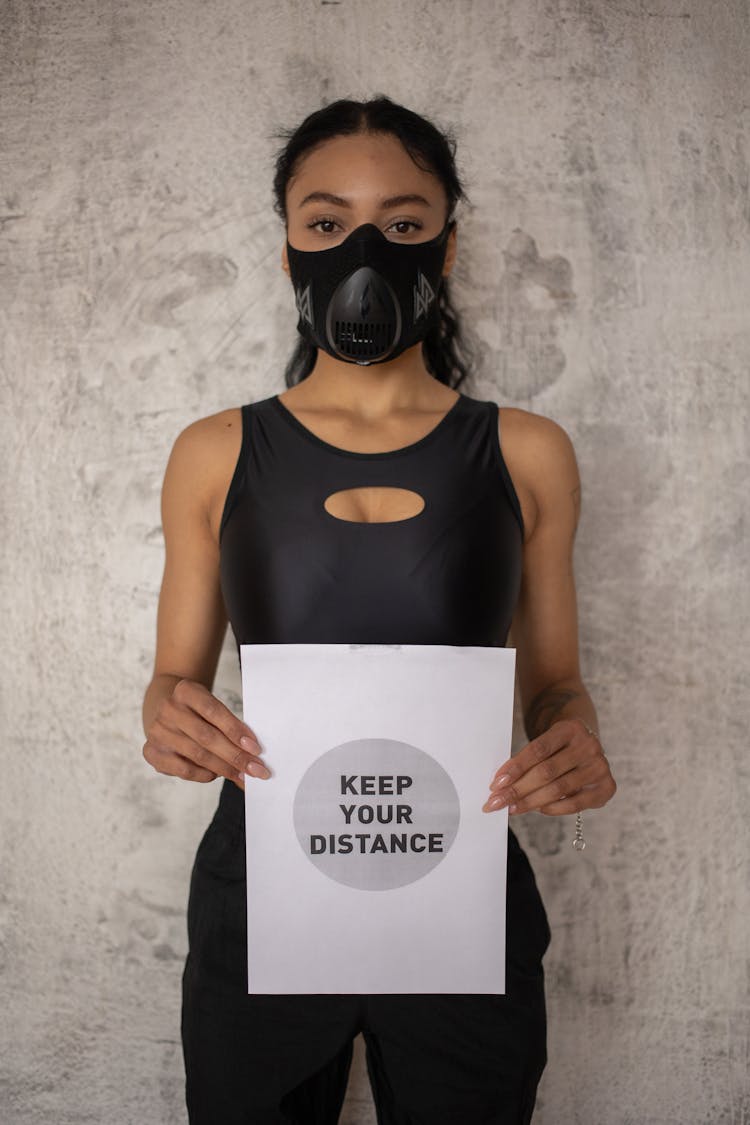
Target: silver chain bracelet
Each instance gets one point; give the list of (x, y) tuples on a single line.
[(578, 841)]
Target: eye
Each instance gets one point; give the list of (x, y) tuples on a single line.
[(405, 226), (323, 226)]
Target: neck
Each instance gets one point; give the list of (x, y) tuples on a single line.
[(375, 389)]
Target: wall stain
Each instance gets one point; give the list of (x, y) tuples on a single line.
[(205, 272), (165, 952), (10, 219), (534, 293), (546, 835)]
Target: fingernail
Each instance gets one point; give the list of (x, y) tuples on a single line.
[(512, 809), (499, 782), (248, 743), (497, 802), (257, 769)]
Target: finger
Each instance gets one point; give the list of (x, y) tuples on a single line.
[(175, 740), (581, 754), (590, 797), (518, 798), (211, 745), (545, 774), (563, 788), (535, 757), (534, 752), (198, 698), (173, 765), (174, 751)]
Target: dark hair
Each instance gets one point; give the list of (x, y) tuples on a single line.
[(446, 352)]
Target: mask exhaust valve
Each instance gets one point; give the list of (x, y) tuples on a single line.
[(363, 321)]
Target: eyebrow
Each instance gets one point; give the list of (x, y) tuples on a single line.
[(385, 204)]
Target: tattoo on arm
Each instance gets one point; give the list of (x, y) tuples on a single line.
[(544, 709)]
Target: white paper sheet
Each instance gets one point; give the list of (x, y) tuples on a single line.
[(370, 865)]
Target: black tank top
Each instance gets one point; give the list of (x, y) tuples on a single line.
[(293, 573)]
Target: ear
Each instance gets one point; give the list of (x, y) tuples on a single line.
[(285, 260), (450, 251)]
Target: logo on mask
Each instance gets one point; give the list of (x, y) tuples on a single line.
[(424, 295), (304, 302)]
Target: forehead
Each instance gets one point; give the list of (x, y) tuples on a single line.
[(359, 166)]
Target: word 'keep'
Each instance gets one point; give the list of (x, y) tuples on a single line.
[(371, 785)]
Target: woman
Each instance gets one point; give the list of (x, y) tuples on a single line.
[(265, 513)]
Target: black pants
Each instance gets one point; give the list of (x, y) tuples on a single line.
[(431, 1059)]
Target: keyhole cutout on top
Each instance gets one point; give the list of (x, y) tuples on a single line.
[(374, 504)]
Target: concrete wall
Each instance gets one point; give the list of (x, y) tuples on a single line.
[(605, 268)]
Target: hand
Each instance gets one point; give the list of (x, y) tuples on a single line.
[(562, 771), (194, 736)]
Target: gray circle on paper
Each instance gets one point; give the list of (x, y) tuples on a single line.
[(376, 813)]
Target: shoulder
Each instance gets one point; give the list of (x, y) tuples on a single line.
[(536, 442), (209, 435), (207, 441), (541, 460), (202, 462)]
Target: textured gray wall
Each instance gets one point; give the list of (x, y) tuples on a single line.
[(605, 268)]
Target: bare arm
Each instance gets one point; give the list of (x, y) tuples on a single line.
[(562, 768), (189, 732)]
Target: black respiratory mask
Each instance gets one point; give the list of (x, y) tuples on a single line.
[(368, 299)]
